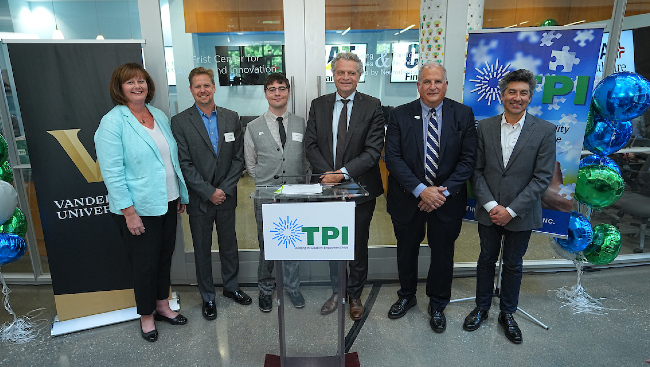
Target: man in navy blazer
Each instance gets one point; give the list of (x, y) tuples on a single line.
[(515, 162), (211, 154), (435, 201), (344, 139)]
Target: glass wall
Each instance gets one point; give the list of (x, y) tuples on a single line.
[(630, 212), (40, 20), (244, 41), (385, 36), (242, 44), (631, 56)]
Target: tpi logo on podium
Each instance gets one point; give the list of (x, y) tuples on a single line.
[(309, 231)]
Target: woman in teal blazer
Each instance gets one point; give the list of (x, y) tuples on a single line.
[(138, 159)]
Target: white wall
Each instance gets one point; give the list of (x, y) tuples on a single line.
[(77, 19)]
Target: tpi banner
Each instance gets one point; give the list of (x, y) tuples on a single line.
[(564, 59), (309, 231)]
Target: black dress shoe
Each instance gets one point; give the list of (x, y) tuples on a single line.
[(151, 336), (438, 321), (239, 297), (209, 310), (475, 318), (178, 320), (512, 331), (399, 308), (266, 302)]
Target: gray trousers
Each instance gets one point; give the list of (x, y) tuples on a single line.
[(201, 228), (265, 276)]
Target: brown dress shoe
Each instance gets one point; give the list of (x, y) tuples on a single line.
[(330, 305), (356, 308)]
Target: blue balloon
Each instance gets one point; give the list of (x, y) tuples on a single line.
[(607, 137), (12, 248), (622, 96), (580, 234), (599, 160)]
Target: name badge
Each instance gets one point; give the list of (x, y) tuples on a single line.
[(296, 137), (229, 137)]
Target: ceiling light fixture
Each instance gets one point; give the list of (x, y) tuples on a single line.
[(407, 28), (578, 22)]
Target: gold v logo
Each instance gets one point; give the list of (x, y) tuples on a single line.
[(78, 153)]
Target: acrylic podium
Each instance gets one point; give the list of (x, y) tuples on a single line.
[(303, 222)]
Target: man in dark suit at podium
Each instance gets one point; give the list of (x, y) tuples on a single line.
[(344, 139), (430, 147), (211, 154), (515, 162)]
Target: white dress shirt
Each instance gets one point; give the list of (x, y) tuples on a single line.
[(509, 136)]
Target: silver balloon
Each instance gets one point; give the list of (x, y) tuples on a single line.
[(562, 252), (8, 201)]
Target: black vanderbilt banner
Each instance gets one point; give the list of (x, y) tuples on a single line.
[(63, 92)]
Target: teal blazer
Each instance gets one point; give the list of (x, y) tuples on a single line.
[(131, 165)]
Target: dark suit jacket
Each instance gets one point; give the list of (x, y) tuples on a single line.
[(405, 159), (522, 183), (204, 171), (363, 145)]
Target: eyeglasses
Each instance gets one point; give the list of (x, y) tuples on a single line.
[(281, 89)]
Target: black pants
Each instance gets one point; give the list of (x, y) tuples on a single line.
[(151, 257), (514, 249), (359, 266), (441, 237)]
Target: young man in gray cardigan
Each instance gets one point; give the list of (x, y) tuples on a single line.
[(275, 155)]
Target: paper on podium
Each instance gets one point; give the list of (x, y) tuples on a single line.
[(300, 189)]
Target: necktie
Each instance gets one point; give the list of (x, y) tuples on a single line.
[(283, 134), (432, 157), (341, 134)]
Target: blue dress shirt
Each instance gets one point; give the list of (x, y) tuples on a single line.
[(210, 123)]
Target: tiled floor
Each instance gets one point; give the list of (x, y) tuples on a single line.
[(242, 335)]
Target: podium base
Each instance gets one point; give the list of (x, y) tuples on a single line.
[(351, 360)]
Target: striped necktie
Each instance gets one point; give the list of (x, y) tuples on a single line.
[(432, 141)]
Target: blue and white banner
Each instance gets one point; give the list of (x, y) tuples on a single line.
[(564, 59), (309, 231)]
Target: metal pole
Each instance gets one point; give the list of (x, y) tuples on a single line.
[(293, 96), (342, 286), (280, 294), (19, 179), (618, 13)]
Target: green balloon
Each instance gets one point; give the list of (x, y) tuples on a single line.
[(16, 224), (6, 173), (4, 149), (605, 245), (549, 23), (598, 186)]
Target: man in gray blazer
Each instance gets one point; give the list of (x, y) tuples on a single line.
[(344, 139), (211, 154), (275, 155), (515, 161)]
